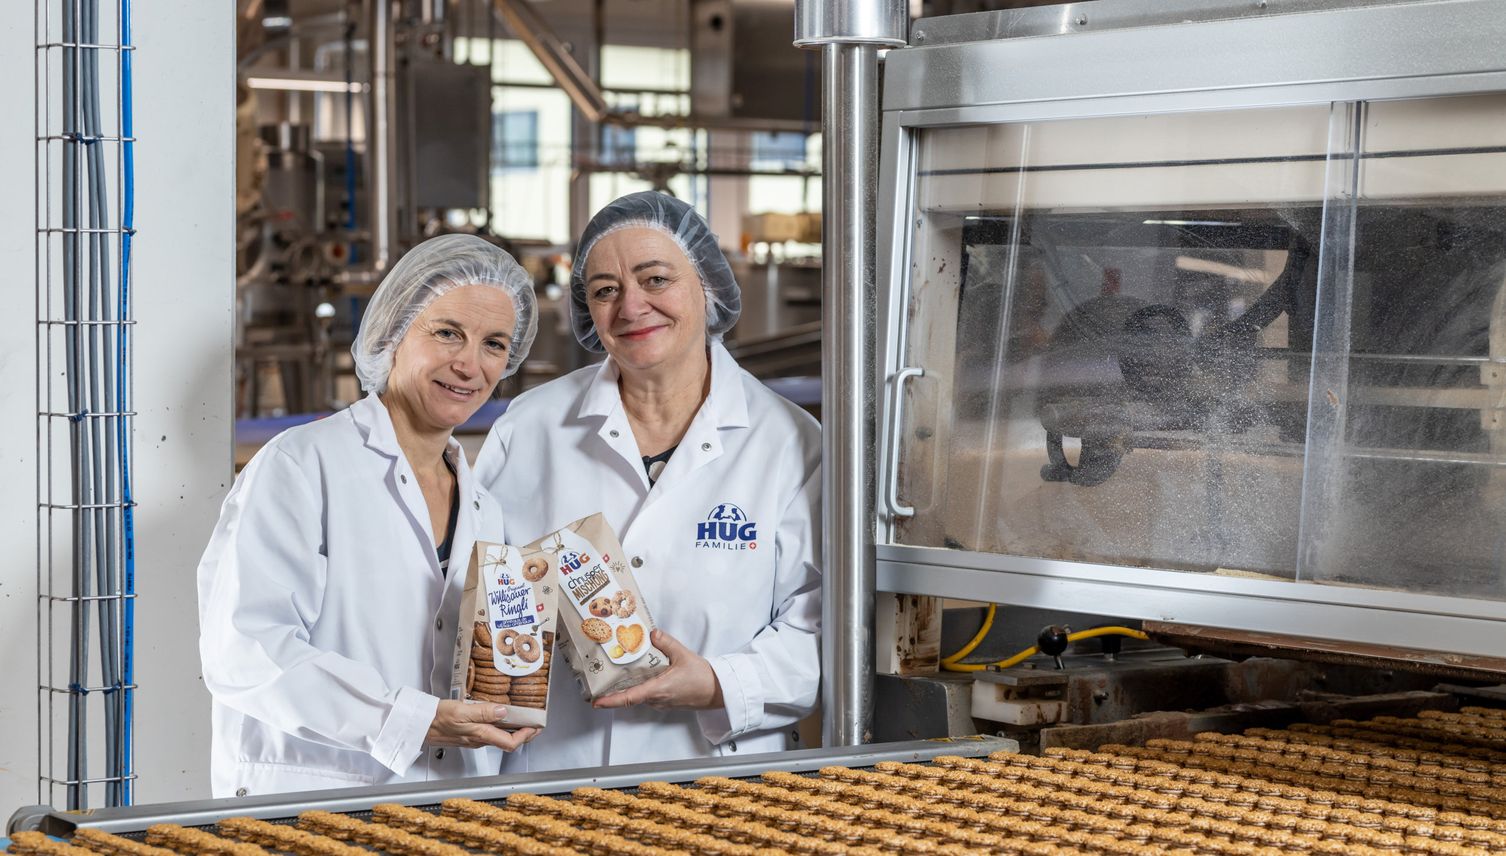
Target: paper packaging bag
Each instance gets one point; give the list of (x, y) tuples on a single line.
[(506, 639), (604, 623)]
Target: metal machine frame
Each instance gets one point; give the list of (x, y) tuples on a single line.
[(1360, 53), (284, 806)]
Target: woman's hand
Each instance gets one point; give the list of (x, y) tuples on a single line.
[(469, 726), (688, 684)]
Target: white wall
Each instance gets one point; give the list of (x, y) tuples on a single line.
[(18, 516), (183, 282)]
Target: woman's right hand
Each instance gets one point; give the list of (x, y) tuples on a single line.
[(469, 726)]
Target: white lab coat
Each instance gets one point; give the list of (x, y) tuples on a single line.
[(565, 450), (325, 626)]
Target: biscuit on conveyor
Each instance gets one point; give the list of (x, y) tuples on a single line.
[(29, 842)]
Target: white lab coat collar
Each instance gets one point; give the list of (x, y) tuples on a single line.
[(725, 407), (727, 402), (375, 424)]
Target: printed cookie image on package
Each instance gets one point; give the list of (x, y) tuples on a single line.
[(506, 640), (604, 623)]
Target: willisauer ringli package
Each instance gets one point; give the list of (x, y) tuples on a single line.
[(506, 635), (605, 624)]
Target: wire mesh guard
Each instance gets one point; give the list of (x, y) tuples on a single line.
[(85, 539), (1424, 784)]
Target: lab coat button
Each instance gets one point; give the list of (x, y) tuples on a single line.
[(732, 746), (439, 754), (404, 477), (637, 561), (439, 624), (612, 433), (705, 447), (240, 792), (477, 503)]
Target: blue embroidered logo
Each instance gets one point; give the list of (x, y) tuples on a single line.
[(727, 528)]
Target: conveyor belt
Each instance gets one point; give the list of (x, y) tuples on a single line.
[(1434, 783)]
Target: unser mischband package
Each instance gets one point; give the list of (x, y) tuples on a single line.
[(604, 622), (506, 638)]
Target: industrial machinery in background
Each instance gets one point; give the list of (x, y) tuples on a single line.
[(1190, 356), (360, 135), (358, 138)]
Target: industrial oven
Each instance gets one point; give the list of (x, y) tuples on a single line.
[(1201, 322), (1187, 314)]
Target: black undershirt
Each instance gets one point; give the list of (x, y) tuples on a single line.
[(449, 535), (661, 459)]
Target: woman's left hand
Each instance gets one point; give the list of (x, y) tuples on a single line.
[(688, 684)]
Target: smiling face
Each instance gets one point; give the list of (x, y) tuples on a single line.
[(646, 300), (452, 357)]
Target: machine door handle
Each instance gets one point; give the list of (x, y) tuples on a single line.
[(896, 421)]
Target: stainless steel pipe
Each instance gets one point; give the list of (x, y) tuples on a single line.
[(381, 137), (849, 143)]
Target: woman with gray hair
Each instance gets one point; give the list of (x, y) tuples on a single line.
[(326, 598), (711, 480)]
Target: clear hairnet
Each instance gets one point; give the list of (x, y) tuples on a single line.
[(425, 273), (689, 230)]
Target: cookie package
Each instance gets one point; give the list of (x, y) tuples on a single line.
[(604, 622), (506, 636)]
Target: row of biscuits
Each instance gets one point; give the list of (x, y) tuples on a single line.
[(1425, 785)]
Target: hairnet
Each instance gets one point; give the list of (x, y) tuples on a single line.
[(425, 273), (654, 210)]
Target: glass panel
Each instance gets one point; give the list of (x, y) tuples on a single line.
[(1117, 321), (1405, 482), (1110, 316)]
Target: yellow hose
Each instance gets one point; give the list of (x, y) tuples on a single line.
[(988, 623), (951, 663)]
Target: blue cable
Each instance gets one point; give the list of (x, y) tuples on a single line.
[(128, 528)]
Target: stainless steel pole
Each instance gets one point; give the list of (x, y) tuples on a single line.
[(849, 34), (381, 137), (849, 125)]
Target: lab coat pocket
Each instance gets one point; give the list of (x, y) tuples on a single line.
[(259, 778)]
